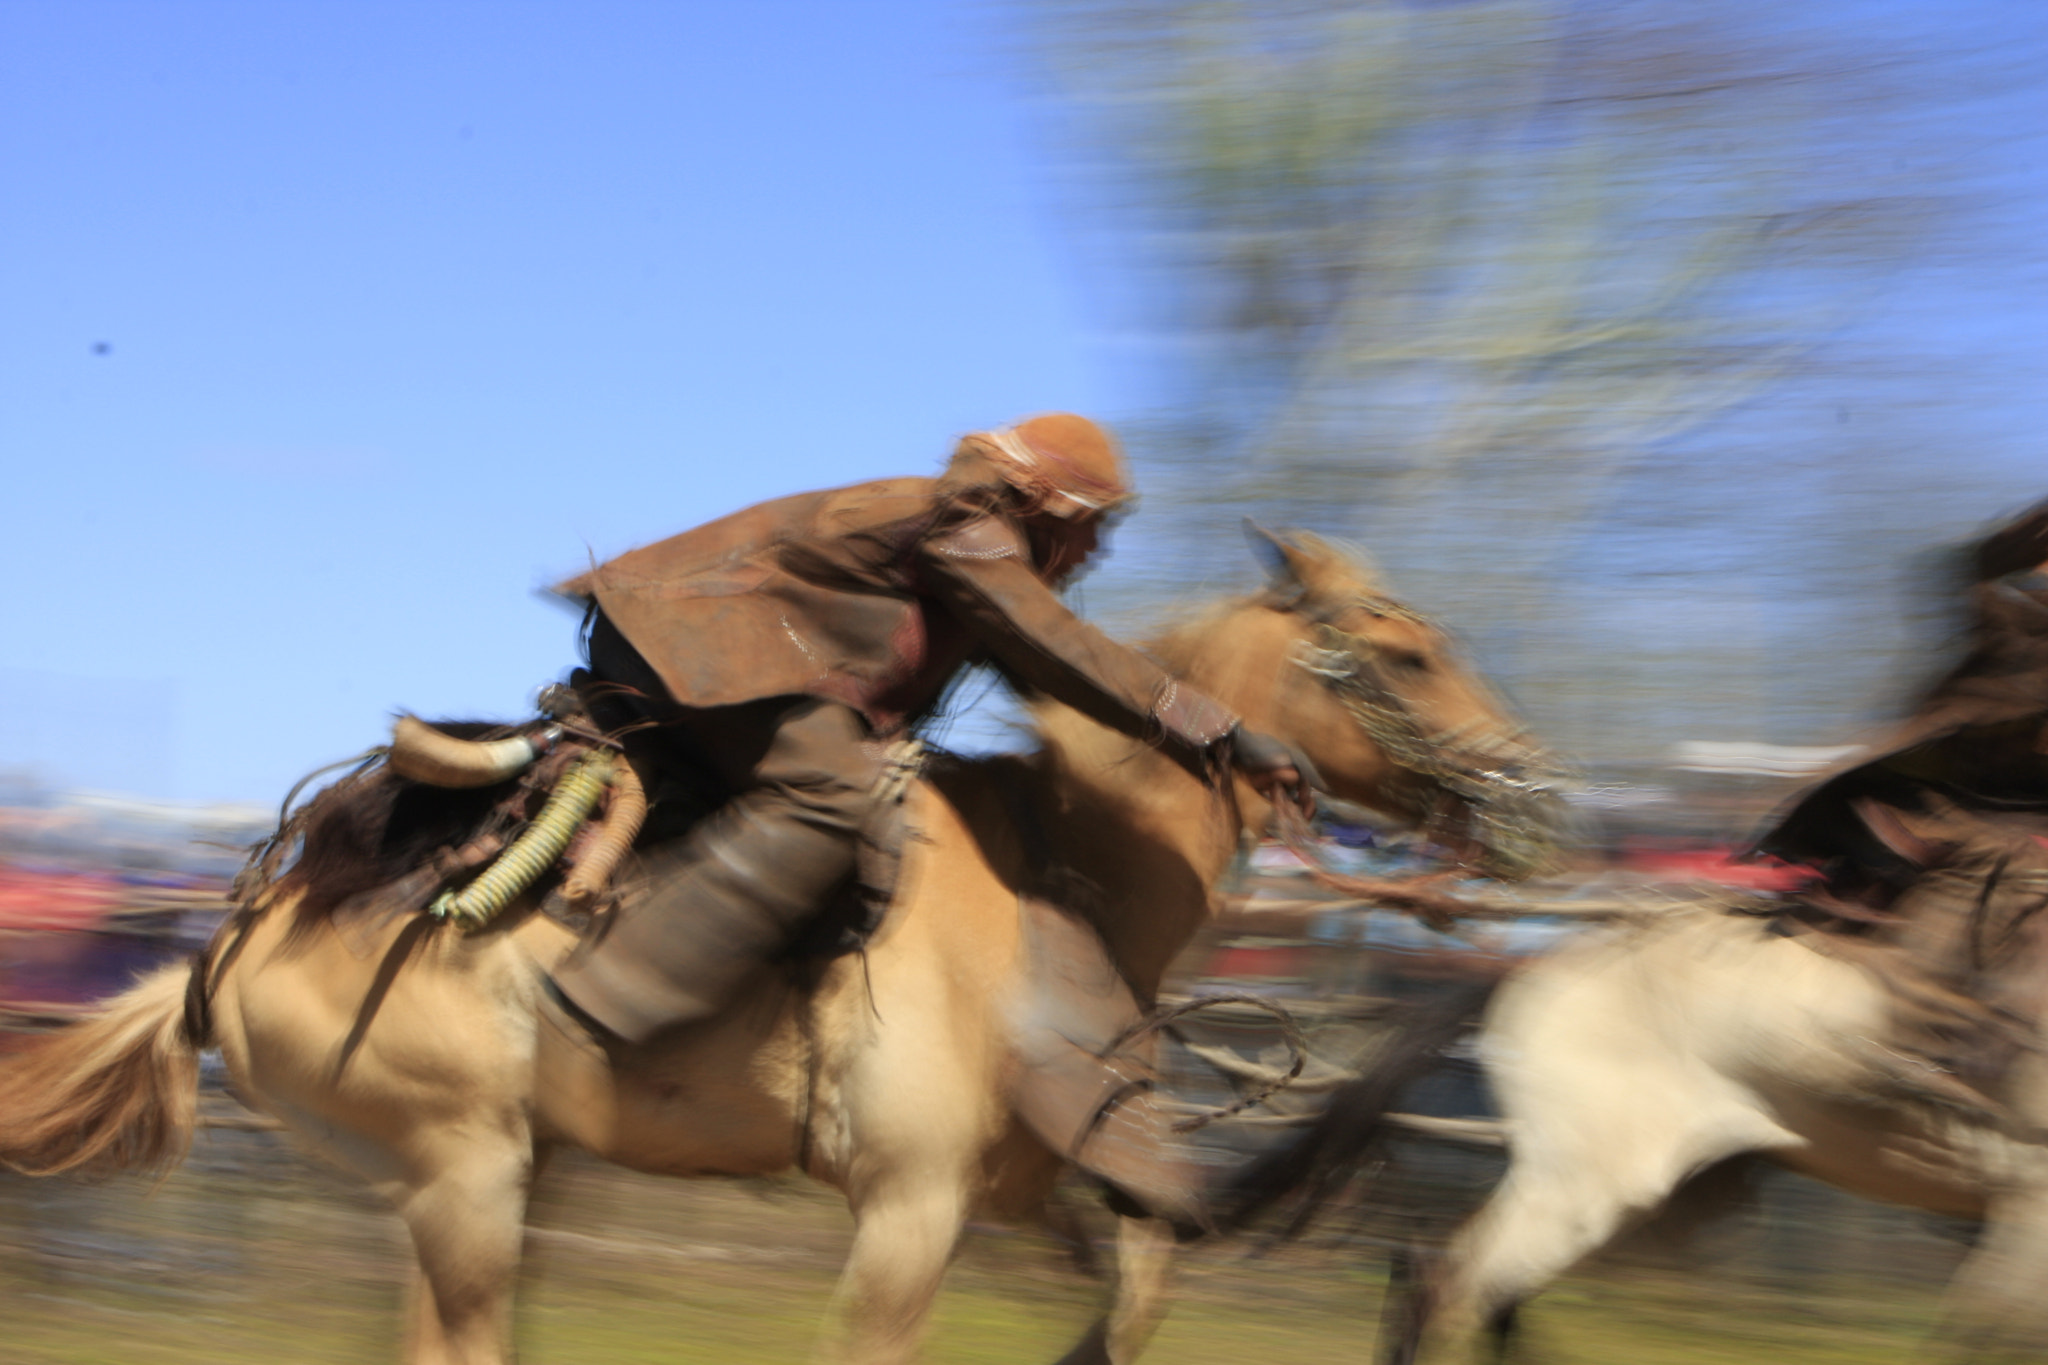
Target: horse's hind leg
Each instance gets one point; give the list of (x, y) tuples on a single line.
[(1144, 1266), (905, 1230), (467, 1214)]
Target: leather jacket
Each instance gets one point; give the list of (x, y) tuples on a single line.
[(876, 595)]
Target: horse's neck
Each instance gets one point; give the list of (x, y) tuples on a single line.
[(1151, 836)]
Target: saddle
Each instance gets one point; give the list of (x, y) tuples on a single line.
[(556, 807)]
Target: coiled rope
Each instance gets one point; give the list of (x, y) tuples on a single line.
[(535, 850)]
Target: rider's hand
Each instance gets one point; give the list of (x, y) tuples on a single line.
[(1275, 770)]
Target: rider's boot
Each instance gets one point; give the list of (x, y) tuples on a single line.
[(1953, 1051), (707, 916), (1084, 1086), (1939, 1046)]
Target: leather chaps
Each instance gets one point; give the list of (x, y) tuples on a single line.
[(708, 908)]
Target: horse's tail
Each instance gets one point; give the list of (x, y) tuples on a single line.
[(115, 1091), (1316, 1165)]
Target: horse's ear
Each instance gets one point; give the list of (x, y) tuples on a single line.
[(1302, 565), (1269, 548), (1279, 559)]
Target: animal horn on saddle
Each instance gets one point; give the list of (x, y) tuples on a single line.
[(424, 754)]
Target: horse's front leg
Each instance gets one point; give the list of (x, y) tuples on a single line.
[(466, 1210), (1144, 1278), (905, 1229)]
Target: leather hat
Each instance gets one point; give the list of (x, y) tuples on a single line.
[(1067, 464)]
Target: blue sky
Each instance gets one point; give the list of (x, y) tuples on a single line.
[(333, 331), (329, 333)]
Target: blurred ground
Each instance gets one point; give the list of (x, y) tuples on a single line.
[(249, 1253)]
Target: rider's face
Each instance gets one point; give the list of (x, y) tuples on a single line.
[(1062, 545)]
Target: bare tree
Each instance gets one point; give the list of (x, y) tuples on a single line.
[(1459, 278)]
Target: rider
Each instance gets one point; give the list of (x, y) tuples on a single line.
[(775, 655), (1936, 836)]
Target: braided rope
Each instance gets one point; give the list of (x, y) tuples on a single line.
[(615, 836)]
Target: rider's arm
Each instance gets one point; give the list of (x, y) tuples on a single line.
[(981, 571)]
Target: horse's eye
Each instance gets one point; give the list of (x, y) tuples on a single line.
[(1408, 661)]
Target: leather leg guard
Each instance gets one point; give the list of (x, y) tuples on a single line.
[(1092, 1105), (738, 888), (1114, 1131)]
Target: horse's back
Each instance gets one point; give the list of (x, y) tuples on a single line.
[(1686, 1020), (1670, 1045), (1723, 988)]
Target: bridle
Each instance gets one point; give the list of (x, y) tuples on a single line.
[(1496, 779)]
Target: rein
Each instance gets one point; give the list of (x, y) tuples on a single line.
[(1417, 895), (1455, 759)]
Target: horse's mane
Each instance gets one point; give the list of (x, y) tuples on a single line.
[(1320, 570), (370, 829), (1178, 640), (1077, 742)]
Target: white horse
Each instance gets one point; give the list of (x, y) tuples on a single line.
[(1637, 1056)]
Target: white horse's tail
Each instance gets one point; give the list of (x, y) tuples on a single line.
[(116, 1091), (1314, 1167)]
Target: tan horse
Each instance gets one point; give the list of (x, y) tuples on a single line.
[(420, 1066)]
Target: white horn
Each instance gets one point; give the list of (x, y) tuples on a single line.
[(424, 754)]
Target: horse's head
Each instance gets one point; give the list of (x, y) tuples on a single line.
[(1378, 698)]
